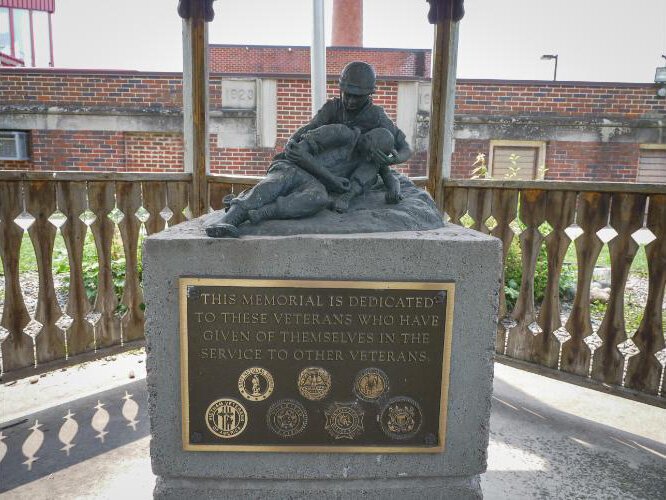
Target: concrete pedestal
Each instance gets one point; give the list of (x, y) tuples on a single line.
[(468, 258)]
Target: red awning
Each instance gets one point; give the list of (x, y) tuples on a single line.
[(45, 5)]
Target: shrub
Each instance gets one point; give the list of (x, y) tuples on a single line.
[(514, 272)]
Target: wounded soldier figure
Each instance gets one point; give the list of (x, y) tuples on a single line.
[(332, 159)]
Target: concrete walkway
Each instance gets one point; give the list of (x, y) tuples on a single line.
[(548, 439)]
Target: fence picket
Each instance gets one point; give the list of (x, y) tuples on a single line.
[(41, 203), (100, 202), (592, 215), (72, 202), (522, 342), (626, 217), (128, 201), (17, 347), (560, 211), (644, 370)]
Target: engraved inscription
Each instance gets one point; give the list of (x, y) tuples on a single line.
[(272, 365)]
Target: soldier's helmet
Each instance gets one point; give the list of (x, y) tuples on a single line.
[(358, 78)]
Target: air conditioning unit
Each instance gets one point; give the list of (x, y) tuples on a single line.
[(13, 145)]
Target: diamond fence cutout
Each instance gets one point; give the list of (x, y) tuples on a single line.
[(93, 317), (660, 355), (508, 323), (643, 236), (628, 348), (4, 333), (187, 212), (88, 217), (545, 229), (467, 220), (491, 223), (166, 213), (593, 342), (606, 233), (64, 322), (33, 328), (562, 335), (516, 226), (24, 220), (116, 215), (534, 328), (142, 214), (58, 219), (446, 217), (573, 231)]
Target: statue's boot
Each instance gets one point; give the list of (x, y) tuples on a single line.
[(268, 211), (226, 225)]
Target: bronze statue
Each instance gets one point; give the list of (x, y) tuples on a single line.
[(327, 162)]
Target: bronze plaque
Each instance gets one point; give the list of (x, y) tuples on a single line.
[(314, 366)]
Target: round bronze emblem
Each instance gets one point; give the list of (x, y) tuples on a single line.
[(344, 420), (371, 384), (256, 384), (287, 418), (314, 383), (401, 418), (226, 418)]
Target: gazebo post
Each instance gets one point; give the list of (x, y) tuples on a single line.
[(196, 14), (444, 54)]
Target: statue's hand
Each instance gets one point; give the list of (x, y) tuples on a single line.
[(393, 196), (295, 152), (382, 159), (339, 185)]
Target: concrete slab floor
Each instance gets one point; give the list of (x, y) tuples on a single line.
[(548, 439)]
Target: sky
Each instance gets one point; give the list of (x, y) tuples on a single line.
[(596, 40)]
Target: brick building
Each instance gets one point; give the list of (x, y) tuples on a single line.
[(123, 120)]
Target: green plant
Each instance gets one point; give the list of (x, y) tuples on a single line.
[(513, 273), (479, 167), (512, 173)]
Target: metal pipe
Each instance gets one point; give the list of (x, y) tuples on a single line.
[(318, 57)]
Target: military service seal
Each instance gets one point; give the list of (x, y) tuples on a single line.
[(371, 384), (256, 384), (314, 383), (287, 418), (401, 418), (344, 420), (226, 418)]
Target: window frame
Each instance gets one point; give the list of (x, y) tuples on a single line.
[(647, 147), (539, 145)]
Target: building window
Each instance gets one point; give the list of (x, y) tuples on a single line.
[(5, 35), (652, 164), (517, 160), (13, 145)]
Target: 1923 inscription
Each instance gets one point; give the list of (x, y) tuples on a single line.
[(320, 346)]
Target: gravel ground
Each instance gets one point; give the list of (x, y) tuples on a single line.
[(30, 285)]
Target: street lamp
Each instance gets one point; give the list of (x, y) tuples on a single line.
[(660, 80), (546, 57)]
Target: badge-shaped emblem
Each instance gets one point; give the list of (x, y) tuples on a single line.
[(371, 384), (256, 384), (344, 420), (314, 383), (287, 418), (401, 418), (226, 418)]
